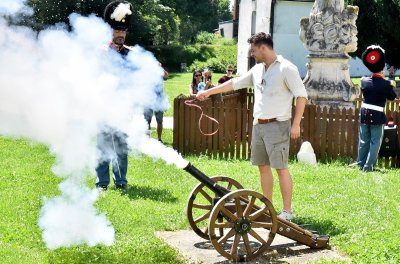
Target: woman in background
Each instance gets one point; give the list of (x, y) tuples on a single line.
[(197, 83)]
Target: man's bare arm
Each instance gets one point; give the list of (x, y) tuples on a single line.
[(223, 88), (300, 105)]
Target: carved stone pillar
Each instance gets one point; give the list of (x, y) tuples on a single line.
[(329, 33), (328, 81)]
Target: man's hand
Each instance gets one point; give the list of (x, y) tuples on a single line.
[(223, 88), (300, 105), (202, 95), (295, 131)]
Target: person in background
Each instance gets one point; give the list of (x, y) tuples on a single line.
[(162, 104), (112, 143), (391, 73), (227, 76), (276, 82), (376, 90), (197, 83), (207, 74)]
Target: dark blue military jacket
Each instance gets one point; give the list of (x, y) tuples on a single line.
[(375, 90), (124, 50)]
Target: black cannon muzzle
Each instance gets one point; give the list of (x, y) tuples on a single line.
[(217, 189)]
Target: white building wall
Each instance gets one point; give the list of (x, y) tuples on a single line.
[(357, 68), (286, 32), (227, 26), (245, 10), (263, 19), (286, 36), (263, 11)]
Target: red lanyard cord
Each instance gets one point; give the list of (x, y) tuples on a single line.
[(191, 103)]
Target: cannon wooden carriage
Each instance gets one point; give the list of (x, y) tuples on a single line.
[(235, 214)]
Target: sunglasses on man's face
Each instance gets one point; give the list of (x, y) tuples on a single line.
[(229, 70)]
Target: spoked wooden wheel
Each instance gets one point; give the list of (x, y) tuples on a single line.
[(201, 201), (248, 229)]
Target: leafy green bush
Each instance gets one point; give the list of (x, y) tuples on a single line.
[(215, 57), (224, 52), (198, 56), (224, 41), (223, 55), (206, 38), (171, 56)]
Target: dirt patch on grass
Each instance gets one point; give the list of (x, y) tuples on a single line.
[(282, 250)]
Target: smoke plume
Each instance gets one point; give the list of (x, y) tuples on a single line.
[(60, 88), (10, 7)]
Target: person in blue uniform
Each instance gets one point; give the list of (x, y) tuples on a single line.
[(112, 143), (376, 90), (162, 105)]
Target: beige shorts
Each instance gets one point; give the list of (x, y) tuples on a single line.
[(270, 144)]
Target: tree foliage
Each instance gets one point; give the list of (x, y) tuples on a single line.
[(210, 51), (378, 23), (50, 12), (155, 22), (195, 16)]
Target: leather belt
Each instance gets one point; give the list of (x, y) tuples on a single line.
[(266, 121)]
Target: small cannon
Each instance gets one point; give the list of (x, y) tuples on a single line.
[(234, 214)]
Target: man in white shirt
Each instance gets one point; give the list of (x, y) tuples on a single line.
[(276, 81)]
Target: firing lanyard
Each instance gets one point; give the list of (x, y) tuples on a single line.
[(191, 103)]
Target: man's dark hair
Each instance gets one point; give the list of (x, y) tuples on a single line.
[(261, 38)]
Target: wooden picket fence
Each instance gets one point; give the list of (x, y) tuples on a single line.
[(333, 133), (234, 112)]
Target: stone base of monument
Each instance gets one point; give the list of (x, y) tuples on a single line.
[(282, 250), (333, 104), (328, 81)]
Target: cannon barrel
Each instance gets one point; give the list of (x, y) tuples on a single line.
[(285, 228), (217, 189)]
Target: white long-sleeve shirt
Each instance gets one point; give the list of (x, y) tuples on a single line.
[(274, 88)]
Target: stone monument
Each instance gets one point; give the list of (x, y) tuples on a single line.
[(330, 33)]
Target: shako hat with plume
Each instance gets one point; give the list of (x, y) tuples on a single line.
[(374, 58), (118, 14)]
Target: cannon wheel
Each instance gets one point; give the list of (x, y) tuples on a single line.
[(200, 204), (243, 220)]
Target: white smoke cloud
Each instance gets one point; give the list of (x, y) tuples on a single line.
[(11, 6), (71, 219), (59, 88)]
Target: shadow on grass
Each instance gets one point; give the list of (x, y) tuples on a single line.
[(175, 74), (322, 227), (146, 192), (279, 252)]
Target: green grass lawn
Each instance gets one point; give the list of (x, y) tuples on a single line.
[(360, 211)]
